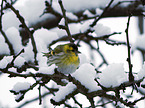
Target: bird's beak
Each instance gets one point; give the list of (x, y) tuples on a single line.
[(46, 54)]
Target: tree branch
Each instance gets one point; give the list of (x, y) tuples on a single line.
[(32, 100), (3, 33), (21, 19), (40, 97), (23, 92), (107, 7), (80, 105), (131, 77), (66, 22)]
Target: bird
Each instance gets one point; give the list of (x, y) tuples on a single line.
[(65, 57)]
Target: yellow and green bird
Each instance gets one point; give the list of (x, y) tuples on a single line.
[(65, 57)]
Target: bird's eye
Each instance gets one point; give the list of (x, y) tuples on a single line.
[(74, 47), (73, 50)]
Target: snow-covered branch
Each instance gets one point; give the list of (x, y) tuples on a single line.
[(35, 27)]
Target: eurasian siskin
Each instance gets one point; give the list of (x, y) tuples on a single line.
[(65, 57)]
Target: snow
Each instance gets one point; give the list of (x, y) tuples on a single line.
[(28, 54), (9, 19), (43, 38), (62, 22), (4, 62), (47, 69), (86, 75), (71, 16), (113, 75), (139, 43), (8, 58), (83, 59), (75, 5), (12, 69), (74, 29), (14, 38), (85, 26), (42, 61), (88, 13), (141, 88), (31, 10), (64, 91), (4, 49), (100, 29), (141, 73), (99, 11), (19, 86), (18, 96), (19, 61), (78, 5)]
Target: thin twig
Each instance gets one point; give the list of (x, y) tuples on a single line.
[(3, 33), (51, 90), (11, 64), (100, 53), (100, 65), (40, 97), (8, 42), (91, 102), (103, 88), (114, 42), (67, 105), (80, 105), (49, 9), (84, 37), (131, 77), (95, 21), (142, 98), (23, 92), (32, 100), (104, 104), (114, 98), (12, 3), (66, 22), (14, 57), (121, 2)]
